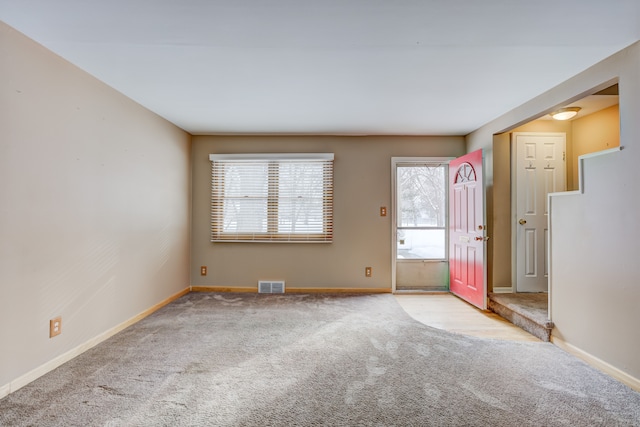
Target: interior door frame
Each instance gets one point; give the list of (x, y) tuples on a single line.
[(514, 202), (394, 232)]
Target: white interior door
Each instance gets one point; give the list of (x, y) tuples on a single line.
[(539, 170)]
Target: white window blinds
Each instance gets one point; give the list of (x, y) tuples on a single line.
[(272, 197)]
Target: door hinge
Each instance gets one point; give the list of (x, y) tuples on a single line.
[(564, 153)]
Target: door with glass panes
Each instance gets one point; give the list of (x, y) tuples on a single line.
[(420, 224)]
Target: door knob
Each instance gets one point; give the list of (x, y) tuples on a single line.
[(482, 238), (522, 221)]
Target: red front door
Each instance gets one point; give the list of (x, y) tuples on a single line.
[(467, 278)]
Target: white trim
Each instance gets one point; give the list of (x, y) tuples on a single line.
[(514, 204), (582, 158), (309, 157), (413, 160), (485, 245), (598, 363), (549, 255), (503, 290), (394, 231), (49, 366), (273, 188), (421, 160), (5, 390)]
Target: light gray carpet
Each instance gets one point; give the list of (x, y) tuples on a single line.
[(350, 360)]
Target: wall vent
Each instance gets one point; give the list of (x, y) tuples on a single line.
[(271, 287)]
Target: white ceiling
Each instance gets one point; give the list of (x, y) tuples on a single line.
[(435, 67)]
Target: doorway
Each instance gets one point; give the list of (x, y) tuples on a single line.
[(596, 128), (438, 232), (419, 224), (539, 170)]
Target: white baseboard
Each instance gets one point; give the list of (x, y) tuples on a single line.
[(5, 390), (503, 290), (65, 357), (599, 364)]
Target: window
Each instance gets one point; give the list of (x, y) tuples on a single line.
[(421, 211), (272, 197)]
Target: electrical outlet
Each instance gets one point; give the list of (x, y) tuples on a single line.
[(55, 327), (367, 271), (383, 211), (203, 270)]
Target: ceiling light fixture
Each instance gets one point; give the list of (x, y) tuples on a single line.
[(565, 113)]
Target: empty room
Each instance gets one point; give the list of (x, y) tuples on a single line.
[(241, 213)]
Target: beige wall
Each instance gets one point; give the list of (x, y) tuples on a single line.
[(499, 216), (362, 238), (592, 133), (94, 213), (594, 235)]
